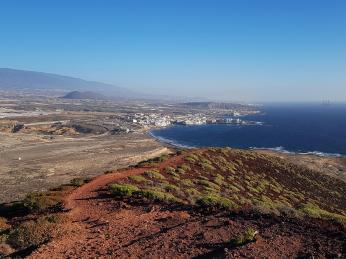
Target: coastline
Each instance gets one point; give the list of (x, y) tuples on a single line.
[(168, 142), (334, 166), (280, 150)]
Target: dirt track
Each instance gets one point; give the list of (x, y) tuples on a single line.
[(83, 212)]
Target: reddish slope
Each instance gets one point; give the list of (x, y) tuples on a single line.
[(86, 212), (106, 227)]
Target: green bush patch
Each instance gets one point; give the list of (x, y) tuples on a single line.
[(154, 174), (209, 184), (138, 178), (38, 202), (171, 188), (123, 189), (34, 232), (248, 236), (156, 195), (314, 211), (212, 200)]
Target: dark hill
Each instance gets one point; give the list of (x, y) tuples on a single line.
[(84, 95)]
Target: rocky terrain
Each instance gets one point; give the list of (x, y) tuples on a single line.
[(206, 203)]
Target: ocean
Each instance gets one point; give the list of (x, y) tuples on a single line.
[(298, 128)]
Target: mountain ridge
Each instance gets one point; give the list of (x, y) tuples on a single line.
[(23, 79)]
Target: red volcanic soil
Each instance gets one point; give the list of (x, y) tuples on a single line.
[(100, 226)]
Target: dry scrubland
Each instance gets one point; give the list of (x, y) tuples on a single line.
[(31, 162), (233, 179), (198, 203), (332, 166)]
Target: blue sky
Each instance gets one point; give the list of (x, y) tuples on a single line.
[(260, 50)]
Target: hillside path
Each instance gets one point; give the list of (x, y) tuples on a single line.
[(89, 217)]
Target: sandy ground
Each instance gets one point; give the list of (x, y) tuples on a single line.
[(32, 163)]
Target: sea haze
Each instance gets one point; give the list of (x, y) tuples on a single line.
[(300, 128)]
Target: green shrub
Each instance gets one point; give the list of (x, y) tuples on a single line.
[(39, 202), (174, 174), (176, 178), (222, 159), (239, 162), (206, 161), (185, 167), (33, 232), (153, 161), (171, 188), (138, 178), (232, 188), (212, 200), (219, 179), (231, 168), (209, 184), (180, 171), (77, 182), (187, 182), (123, 189), (193, 156), (157, 195), (154, 174), (169, 169), (190, 159), (248, 236), (201, 177), (192, 192), (314, 211), (207, 167)]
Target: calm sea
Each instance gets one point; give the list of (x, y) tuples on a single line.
[(299, 128)]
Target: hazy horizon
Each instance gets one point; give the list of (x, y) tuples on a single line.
[(246, 51)]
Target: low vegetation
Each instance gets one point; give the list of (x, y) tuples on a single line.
[(40, 202), (216, 201), (154, 174), (208, 179), (123, 189), (314, 211), (248, 236), (138, 178), (153, 162), (76, 182), (225, 178), (128, 190), (34, 232), (40, 215)]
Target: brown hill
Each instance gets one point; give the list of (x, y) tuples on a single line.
[(208, 203)]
